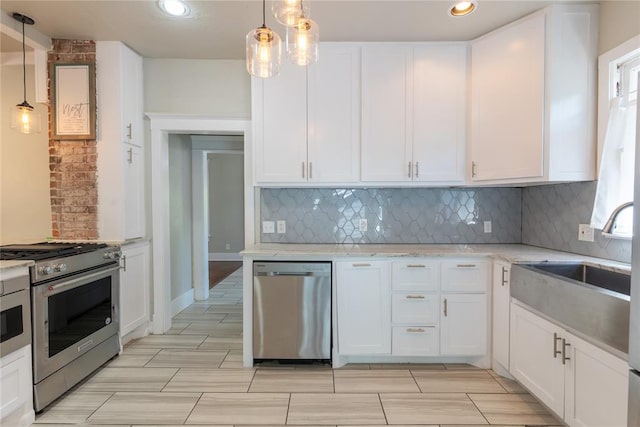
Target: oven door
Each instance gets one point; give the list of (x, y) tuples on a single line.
[(14, 322), (71, 316)]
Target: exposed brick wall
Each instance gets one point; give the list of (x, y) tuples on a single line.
[(73, 164)]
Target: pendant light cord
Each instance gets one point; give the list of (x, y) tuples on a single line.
[(264, 18), (24, 66)]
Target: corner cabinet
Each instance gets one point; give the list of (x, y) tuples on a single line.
[(414, 112), (501, 318), (135, 289), (120, 143), (582, 384), (533, 98), (307, 121)]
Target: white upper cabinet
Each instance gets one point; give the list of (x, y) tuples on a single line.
[(121, 195), (414, 113), (533, 98), (307, 121)]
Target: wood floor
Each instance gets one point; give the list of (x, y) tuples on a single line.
[(193, 375), (218, 270)]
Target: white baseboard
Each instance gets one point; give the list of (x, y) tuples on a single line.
[(224, 256), (182, 302)]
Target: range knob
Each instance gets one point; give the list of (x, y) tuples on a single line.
[(108, 255), (61, 267), (45, 270)]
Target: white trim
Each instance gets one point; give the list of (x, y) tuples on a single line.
[(224, 256), (606, 84), (182, 302), (161, 126), (199, 225)]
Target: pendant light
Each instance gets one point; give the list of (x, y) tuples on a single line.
[(302, 40), (264, 50), (287, 12), (24, 119)]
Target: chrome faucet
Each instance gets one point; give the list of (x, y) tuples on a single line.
[(608, 227)]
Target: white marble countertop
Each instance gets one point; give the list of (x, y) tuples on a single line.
[(6, 266), (513, 253)]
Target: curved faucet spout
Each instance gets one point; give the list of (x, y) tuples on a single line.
[(608, 227)]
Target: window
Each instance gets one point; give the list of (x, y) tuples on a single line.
[(616, 176)]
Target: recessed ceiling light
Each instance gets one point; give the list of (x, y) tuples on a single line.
[(462, 8), (174, 7)]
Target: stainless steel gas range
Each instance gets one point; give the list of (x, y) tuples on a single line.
[(74, 312)]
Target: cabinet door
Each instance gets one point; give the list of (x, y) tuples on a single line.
[(415, 341), (415, 308), (463, 325), (134, 195), (465, 276), (386, 114), (439, 112), (334, 116), (280, 126), (416, 275), (596, 386), (532, 357), (15, 381), (501, 308), (134, 288), (132, 102), (364, 308), (507, 101)]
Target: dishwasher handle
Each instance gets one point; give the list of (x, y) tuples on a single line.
[(277, 273)]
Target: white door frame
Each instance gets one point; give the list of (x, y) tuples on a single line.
[(161, 126)]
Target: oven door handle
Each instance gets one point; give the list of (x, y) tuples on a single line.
[(80, 281)]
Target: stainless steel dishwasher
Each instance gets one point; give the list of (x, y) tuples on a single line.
[(291, 310)]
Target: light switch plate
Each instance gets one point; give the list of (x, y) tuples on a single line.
[(585, 233), (363, 224), (268, 227), (487, 226), (281, 226)]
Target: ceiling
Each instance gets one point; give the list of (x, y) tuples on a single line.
[(217, 29)]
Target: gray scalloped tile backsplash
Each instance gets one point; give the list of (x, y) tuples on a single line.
[(394, 215)]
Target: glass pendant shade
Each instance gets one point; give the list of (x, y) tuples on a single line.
[(25, 119), (288, 12), (303, 41), (264, 52)]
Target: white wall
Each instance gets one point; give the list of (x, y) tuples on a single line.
[(25, 208), (180, 214), (226, 202), (191, 86), (619, 21)]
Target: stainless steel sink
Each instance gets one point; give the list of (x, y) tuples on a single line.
[(584, 298), (589, 274)]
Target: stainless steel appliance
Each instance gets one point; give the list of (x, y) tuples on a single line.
[(292, 310), (634, 318), (15, 314), (74, 309)]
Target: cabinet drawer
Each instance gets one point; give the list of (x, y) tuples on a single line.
[(415, 308), (415, 275), (415, 341), (465, 276)]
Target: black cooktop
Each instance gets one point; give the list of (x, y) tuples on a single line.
[(46, 250)]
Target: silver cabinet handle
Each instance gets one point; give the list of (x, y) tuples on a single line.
[(130, 155), (361, 265), (417, 171), (556, 338), (129, 132), (474, 170), (124, 263), (415, 330), (504, 273), (302, 169), (409, 170), (414, 297), (445, 308), (565, 344), (466, 266), (416, 266), (310, 170)]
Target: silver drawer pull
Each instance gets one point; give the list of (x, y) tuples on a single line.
[(416, 266), (414, 297), (415, 330), (466, 265), (361, 265)]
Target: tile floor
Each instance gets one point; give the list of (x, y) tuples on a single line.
[(193, 375)]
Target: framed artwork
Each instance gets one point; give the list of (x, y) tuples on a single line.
[(73, 101)]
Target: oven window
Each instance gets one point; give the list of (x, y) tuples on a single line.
[(11, 323), (77, 313)]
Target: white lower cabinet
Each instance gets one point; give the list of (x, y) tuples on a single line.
[(16, 407), (134, 287), (364, 312), (416, 340), (463, 325), (581, 383), (501, 304)]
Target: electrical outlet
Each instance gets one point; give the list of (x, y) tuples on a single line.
[(585, 233), (487, 226), (363, 224), (227, 247), (268, 227), (282, 226)]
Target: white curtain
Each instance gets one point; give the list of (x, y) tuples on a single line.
[(615, 180)]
